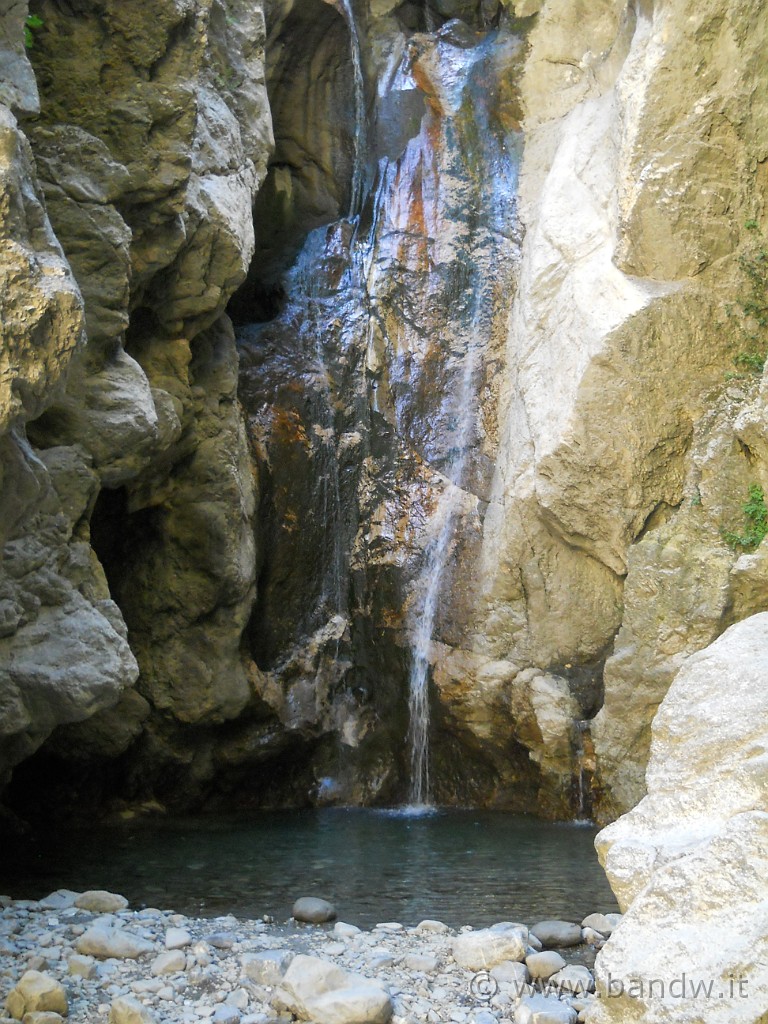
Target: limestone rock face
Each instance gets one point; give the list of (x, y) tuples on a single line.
[(692, 854), (482, 383), (147, 180), (612, 487)]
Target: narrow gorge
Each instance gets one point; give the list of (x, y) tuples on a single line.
[(383, 418)]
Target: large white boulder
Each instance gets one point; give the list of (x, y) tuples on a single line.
[(483, 949), (690, 862), (315, 989)]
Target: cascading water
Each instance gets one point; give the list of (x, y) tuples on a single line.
[(367, 386), (438, 550), (356, 193)]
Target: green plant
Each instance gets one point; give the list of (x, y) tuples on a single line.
[(750, 361), (751, 308), (31, 24), (756, 514)]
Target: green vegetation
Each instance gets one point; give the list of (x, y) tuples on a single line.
[(757, 521), (751, 309), (32, 23)]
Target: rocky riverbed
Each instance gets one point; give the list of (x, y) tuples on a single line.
[(91, 958)]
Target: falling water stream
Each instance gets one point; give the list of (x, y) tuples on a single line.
[(392, 309), (438, 550), (356, 193)]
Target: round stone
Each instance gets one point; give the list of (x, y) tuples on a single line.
[(557, 934), (312, 910), (544, 965)]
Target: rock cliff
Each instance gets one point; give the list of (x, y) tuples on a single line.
[(692, 854), (497, 274), (124, 237)]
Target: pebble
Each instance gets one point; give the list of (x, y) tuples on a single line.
[(230, 972)]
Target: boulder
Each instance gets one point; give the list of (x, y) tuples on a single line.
[(544, 965), (423, 962), (61, 899), (317, 990), (266, 967), (487, 947), (36, 992), (693, 855), (598, 923), (127, 1010), (105, 942), (312, 910), (512, 972), (170, 962), (557, 934), (435, 927), (83, 966), (539, 1009), (177, 938), (99, 901), (574, 979)]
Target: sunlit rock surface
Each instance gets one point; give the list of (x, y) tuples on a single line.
[(692, 854), (490, 266), (618, 468)]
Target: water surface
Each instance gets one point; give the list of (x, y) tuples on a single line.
[(462, 867)]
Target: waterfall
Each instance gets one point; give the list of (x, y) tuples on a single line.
[(359, 98), (584, 767), (438, 550), (392, 316)]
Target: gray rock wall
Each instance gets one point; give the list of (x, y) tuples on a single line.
[(123, 242), (180, 595)]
